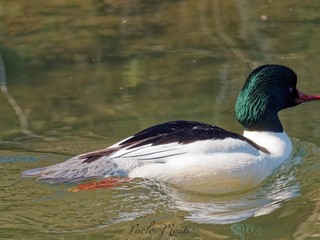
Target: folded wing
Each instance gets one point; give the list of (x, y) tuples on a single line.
[(156, 144)]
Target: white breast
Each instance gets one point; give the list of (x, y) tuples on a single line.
[(278, 144)]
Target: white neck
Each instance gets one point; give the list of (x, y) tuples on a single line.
[(277, 144)]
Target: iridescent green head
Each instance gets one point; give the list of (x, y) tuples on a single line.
[(268, 89)]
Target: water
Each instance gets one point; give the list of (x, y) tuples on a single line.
[(82, 76)]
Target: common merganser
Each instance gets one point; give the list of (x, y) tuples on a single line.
[(196, 156)]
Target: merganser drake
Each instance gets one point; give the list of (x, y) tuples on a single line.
[(196, 156)]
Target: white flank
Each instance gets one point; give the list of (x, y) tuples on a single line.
[(219, 166)]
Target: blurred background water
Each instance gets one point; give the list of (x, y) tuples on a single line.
[(79, 76)]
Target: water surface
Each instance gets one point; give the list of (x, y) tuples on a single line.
[(81, 76)]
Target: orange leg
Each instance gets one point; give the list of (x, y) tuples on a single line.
[(105, 183)]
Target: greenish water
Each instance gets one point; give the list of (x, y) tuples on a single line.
[(81, 76)]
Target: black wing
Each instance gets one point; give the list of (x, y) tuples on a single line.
[(182, 132)]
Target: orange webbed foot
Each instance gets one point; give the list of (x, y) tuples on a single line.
[(105, 183)]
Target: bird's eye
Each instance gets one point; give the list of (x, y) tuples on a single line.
[(290, 90)]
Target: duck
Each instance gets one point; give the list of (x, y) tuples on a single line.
[(196, 156)]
